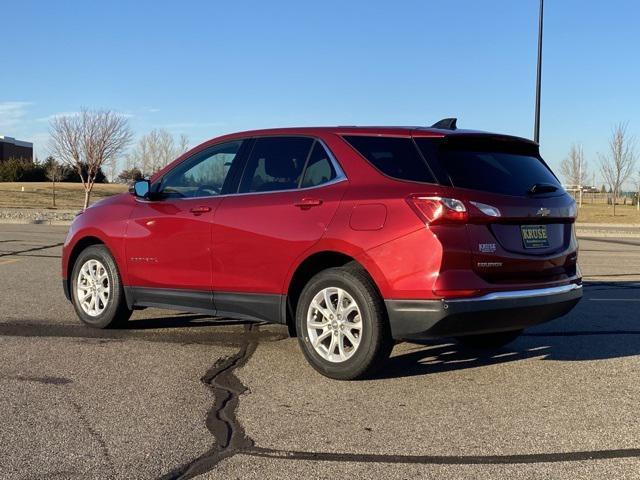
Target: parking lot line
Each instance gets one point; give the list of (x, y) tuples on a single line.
[(6, 262)]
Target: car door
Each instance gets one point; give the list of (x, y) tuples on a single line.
[(168, 238), (288, 194)]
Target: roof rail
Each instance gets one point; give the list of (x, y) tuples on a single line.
[(446, 124)]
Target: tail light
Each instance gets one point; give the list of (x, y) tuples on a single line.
[(488, 210), (435, 210)]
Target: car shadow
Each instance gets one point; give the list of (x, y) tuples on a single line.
[(604, 325), (181, 320)]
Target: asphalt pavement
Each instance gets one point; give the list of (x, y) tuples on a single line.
[(180, 396)]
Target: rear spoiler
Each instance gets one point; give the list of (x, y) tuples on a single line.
[(491, 141)]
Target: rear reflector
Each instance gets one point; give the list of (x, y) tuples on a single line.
[(456, 293), (433, 210)]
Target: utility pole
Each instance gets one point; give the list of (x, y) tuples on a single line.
[(536, 127)]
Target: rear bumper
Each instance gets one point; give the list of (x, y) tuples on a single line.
[(495, 312)]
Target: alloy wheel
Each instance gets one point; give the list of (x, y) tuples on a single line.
[(334, 324), (93, 287)]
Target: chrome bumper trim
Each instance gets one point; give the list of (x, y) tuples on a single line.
[(513, 294)]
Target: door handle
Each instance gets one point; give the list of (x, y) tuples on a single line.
[(200, 210), (307, 203)]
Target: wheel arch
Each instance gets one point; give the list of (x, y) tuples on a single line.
[(77, 248), (306, 269)]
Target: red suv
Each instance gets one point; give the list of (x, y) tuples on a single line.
[(352, 236)]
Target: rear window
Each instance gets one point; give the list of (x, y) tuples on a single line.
[(489, 165), (395, 157)]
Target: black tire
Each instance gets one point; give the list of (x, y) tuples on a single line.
[(488, 341), (116, 312), (375, 341)]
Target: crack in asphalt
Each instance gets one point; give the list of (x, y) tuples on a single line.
[(580, 333), (445, 459), (39, 256), (231, 438), (617, 241), (601, 285), (46, 380), (222, 422), (95, 434), (34, 249)]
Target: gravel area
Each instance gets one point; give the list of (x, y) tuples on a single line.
[(37, 215)]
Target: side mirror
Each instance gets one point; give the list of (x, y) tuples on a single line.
[(141, 189)]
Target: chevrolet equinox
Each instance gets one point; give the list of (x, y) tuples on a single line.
[(353, 237)]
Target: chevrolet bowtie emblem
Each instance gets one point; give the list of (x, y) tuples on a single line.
[(543, 212)]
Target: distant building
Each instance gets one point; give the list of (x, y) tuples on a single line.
[(12, 148)]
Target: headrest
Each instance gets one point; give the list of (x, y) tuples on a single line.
[(280, 167)]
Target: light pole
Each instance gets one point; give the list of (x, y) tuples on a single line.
[(536, 127)]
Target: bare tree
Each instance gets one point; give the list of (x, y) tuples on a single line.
[(618, 164), (54, 171), (155, 150), (113, 170), (88, 141), (184, 144), (574, 168)]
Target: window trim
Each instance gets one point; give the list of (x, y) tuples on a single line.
[(340, 175), (306, 164)]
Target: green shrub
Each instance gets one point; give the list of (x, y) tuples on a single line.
[(72, 175), (21, 170)]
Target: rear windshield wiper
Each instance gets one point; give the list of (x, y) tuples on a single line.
[(542, 188)]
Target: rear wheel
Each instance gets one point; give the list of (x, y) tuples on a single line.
[(341, 324), (489, 340), (96, 289)]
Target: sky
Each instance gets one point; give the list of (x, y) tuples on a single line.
[(205, 68)]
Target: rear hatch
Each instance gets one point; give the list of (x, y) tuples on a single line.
[(520, 222)]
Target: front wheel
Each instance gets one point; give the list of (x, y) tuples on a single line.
[(341, 324), (489, 340), (96, 289)]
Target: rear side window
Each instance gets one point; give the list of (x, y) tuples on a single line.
[(319, 168), (507, 168), (395, 157), (275, 163)]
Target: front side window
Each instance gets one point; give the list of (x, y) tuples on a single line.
[(202, 175), (275, 163)]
